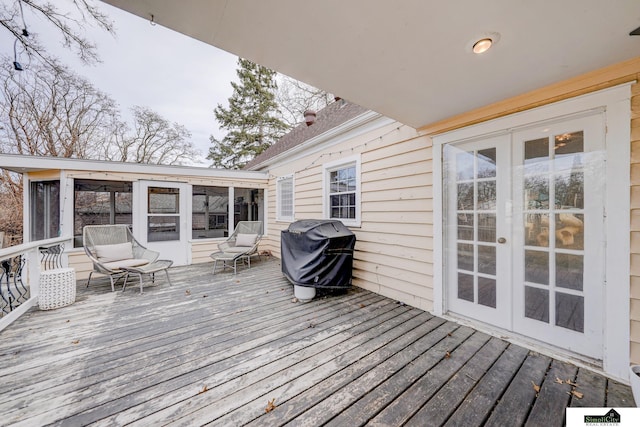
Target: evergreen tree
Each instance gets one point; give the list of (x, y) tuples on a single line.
[(251, 120)]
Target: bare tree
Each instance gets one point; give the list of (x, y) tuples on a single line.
[(152, 139), (11, 206), (295, 97), (70, 25), (50, 111)]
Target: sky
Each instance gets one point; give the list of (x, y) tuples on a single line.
[(148, 65)]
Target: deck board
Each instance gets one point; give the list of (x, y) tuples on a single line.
[(519, 397), (216, 349), (554, 396), (478, 404)]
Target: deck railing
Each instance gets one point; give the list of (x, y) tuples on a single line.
[(20, 268)]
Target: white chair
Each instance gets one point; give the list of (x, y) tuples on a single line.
[(112, 247), (241, 245)]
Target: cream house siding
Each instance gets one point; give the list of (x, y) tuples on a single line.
[(394, 244), (200, 251), (394, 254), (82, 264)]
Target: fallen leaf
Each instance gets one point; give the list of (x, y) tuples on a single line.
[(187, 292), (237, 281), (362, 306), (447, 355), (571, 383), (68, 321), (311, 325), (204, 389), (270, 406), (559, 381), (536, 387), (294, 300), (577, 394), (449, 334), (75, 342)]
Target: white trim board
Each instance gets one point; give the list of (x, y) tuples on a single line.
[(353, 128), (615, 103)]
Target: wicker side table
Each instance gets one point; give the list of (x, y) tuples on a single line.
[(57, 288)]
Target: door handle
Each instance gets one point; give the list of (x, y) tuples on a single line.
[(502, 240)]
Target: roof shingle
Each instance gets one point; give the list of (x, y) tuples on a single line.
[(328, 118)]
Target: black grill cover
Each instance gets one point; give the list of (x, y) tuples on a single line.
[(318, 253)]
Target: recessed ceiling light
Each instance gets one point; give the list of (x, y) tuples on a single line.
[(481, 42), (482, 45)]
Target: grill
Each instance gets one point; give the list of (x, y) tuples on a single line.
[(318, 254)]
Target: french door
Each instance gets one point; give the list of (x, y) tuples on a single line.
[(524, 239)]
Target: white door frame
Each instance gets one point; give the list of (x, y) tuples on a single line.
[(614, 103)]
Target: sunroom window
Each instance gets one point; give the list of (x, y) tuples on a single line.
[(210, 212), (101, 203), (248, 205), (45, 210)]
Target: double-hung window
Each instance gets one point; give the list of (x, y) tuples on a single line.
[(285, 204), (342, 190)]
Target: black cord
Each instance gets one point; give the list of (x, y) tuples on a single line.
[(24, 24)]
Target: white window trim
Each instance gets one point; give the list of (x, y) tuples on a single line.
[(329, 167), (279, 216), (616, 103)]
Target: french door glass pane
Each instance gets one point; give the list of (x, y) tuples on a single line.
[(536, 229), (536, 190), (464, 166), (465, 226), (465, 287), (569, 190), (465, 196), (487, 292), (487, 227), (570, 311), (536, 303), (487, 259), (536, 155), (487, 163), (536, 267), (465, 256), (570, 231), (569, 271), (487, 195)]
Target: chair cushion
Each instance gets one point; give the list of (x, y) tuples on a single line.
[(115, 252), (238, 249), (246, 239), (132, 262)]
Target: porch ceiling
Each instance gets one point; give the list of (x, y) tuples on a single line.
[(411, 60)]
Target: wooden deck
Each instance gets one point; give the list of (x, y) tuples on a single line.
[(234, 350)]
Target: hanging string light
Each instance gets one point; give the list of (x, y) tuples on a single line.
[(16, 65), (25, 33)]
